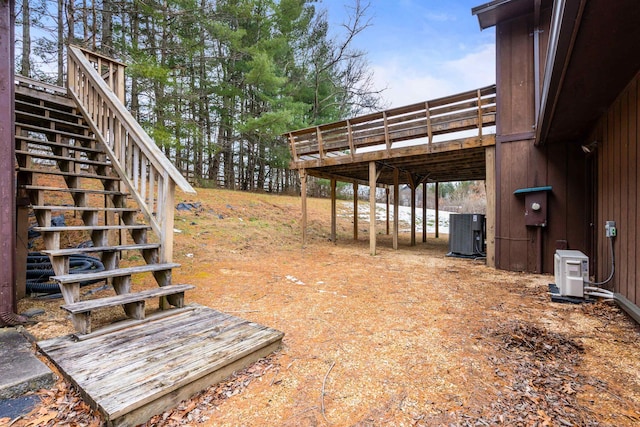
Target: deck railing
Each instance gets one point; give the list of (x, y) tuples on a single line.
[(97, 85), (473, 110)]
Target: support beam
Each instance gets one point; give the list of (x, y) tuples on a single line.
[(424, 212), (490, 189), (355, 211), (396, 202), (8, 302), (334, 215), (22, 246), (303, 195), (386, 190), (372, 207), (412, 185), (437, 210)]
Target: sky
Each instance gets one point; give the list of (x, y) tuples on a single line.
[(422, 49)]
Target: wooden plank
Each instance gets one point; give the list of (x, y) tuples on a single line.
[(372, 208), (334, 215), (76, 278), (81, 209), (355, 211), (128, 323), (91, 228), (396, 207), (76, 159), (73, 190), (303, 194), (68, 174), (490, 186), (158, 361)]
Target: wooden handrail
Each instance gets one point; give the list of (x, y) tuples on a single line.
[(149, 176), (475, 109)]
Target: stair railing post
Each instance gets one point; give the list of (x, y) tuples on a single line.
[(167, 217)]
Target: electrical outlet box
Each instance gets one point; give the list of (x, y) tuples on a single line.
[(610, 229)]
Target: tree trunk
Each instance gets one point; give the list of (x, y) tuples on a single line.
[(25, 64)]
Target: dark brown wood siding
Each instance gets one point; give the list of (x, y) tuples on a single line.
[(618, 172), (521, 164)]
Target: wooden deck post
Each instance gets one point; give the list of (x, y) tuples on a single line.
[(333, 210), (424, 212), (437, 210), (412, 185), (303, 194), (7, 166), (396, 203), (355, 211), (490, 184), (372, 207), (386, 190)]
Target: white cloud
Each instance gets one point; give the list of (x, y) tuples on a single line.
[(416, 78)]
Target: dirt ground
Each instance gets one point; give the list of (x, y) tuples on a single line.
[(407, 337)]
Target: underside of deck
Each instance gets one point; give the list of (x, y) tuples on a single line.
[(135, 373)]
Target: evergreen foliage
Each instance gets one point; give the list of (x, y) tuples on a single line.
[(214, 82)]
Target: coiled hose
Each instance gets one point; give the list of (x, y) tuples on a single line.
[(39, 271)]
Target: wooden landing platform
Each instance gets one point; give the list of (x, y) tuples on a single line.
[(132, 374)]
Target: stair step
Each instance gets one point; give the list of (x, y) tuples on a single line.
[(58, 172), (112, 301), (91, 249), (129, 323), (127, 271), (26, 118), (56, 97), (28, 104), (48, 131), (133, 304), (48, 143), (73, 190), (82, 209), (92, 228), (47, 156)]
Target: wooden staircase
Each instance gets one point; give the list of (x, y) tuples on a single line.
[(111, 182)]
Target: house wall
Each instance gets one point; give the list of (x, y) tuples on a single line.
[(617, 175), (521, 164)]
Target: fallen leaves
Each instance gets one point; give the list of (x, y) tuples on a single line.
[(200, 408), (61, 406)]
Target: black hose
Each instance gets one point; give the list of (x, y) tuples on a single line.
[(40, 270)]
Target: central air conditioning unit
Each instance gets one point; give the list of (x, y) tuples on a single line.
[(571, 271), (466, 234)]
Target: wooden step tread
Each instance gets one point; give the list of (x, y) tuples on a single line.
[(48, 131), (82, 209), (93, 304), (73, 190), (47, 156), (92, 228), (25, 117), (130, 323), (59, 172), (90, 249), (48, 143), (28, 104), (119, 272)]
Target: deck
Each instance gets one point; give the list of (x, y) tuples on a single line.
[(445, 139), (134, 373), (438, 140)]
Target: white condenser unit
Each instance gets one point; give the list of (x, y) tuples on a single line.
[(571, 271)]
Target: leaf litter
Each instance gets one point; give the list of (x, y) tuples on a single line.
[(417, 338)]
